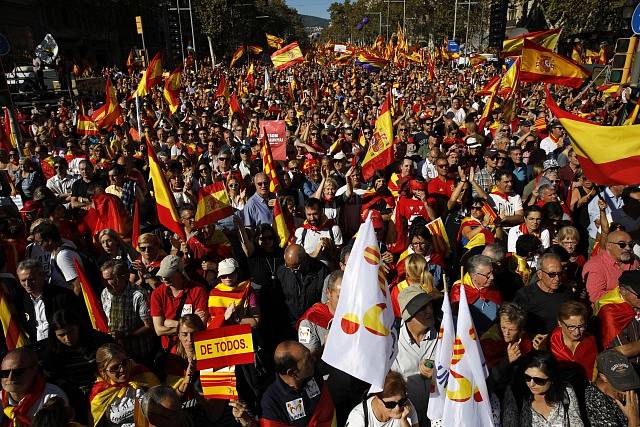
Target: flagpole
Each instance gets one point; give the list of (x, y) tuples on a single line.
[(138, 114)]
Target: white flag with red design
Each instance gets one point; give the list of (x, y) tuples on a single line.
[(467, 399), (441, 362), (362, 341)]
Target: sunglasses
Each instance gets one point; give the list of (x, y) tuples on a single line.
[(552, 274), (502, 158), (145, 248), (401, 130), (623, 245), (392, 404), (442, 166), (233, 185), (536, 380), (122, 366), (223, 159), (262, 184), (18, 372)]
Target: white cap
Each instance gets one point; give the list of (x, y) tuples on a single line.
[(227, 266)]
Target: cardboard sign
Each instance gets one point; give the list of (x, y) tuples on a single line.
[(277, 137), (226, 346)]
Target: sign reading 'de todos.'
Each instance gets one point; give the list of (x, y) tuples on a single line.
[(277, 137), (226, 346)]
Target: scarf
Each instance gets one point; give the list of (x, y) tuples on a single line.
[(484, 237), (584, 355), (222, 296), (327, 224), (489, 293), (523, 228), (319, 314), (18, 415), (614, 314), (103, 393), (500, 194), (495, 348)]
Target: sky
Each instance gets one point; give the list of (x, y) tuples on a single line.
[(312, 7)]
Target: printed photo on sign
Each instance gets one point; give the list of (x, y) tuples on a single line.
[(295, 409), (304, 334), (187, 309), (312, 389)]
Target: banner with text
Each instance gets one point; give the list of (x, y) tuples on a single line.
[(226, 346), (277, 137)]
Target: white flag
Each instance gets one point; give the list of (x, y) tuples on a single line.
[(361, 340), (267, 82), (467, 399), (442, 361)]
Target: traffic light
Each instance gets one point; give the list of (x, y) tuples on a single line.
[(175, 41), (622, 60), (498, 23)]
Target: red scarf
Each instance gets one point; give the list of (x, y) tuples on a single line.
[(328, 223), (319, 314), (490, 293), (495, 349), (523, 228), (584, 355), (500, 194), (613, 319), (18, 415)]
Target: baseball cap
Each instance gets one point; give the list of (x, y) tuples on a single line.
[(227, 266), (526, 123), (491, 152), (555, 124), (472, 142), (169, 265), (411, 299), (376, 217), (550, 164), (619, 372), (339, 156), (630, 280)]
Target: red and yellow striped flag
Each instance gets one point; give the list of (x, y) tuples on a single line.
[(13, 335), (539, 64), (268, 165), (237, 55), (234, 107), (220, 384), (165, 202), (280, 225), (150, 77), (171, 92), (380, 152), (213, 204), (546, 38), (255, 50), (274, 41), (222, 89), (86, 126), (94, 307), (439, 236), (540, 123), (287, 56)]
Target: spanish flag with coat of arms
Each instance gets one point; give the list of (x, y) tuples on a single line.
[(213, 204), (539, 64), (286, 57), (380, 152)]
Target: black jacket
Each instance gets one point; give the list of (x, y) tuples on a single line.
[(55, 298), (302, 289)]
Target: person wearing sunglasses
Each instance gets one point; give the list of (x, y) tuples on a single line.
[(389, 408), (485, 177), (538, 397), (232, 302), (602, 271), (24, 388), (119, 383), (62, 181)]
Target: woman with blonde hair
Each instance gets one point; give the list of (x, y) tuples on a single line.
[(120, 382), (417, 274), (114, 248), (148, 264)]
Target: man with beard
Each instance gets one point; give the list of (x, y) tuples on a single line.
[(601, 272)]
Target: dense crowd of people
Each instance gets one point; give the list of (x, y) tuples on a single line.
[(547, 258)]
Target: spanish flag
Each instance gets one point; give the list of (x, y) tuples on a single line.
[(165, 202), (439, 236), (488, 108), (274, 41), (220, 384), (370, 62), (11, 131), (94, 307), (281, 226), (490, 87), (213, 204), (237, 55), (509, 81), (539, 64), (546, 38), (234, 107), (86, 126), (222, 89), (13, 335), (251, 78), (171, 92), (380, 152), (268, 166), (608, 154), (150, 77), (107, 115), (614, 314), (255, 50), (287, 56)]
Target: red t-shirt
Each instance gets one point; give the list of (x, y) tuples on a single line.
[(438, 186), (409, 209), (164, 304)]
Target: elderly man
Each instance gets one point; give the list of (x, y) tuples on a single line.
[(602, 271), (257, 210), (24, 389), (292, 398), (313, 326), (542, 299), (301, 279), (127, 311), (483, 297), (60, 184), (38, 301), (162, 407), (416, 346)]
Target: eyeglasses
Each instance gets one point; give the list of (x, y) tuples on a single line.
[(145, 248), (392, 404), (574, 328), (552, 274), (442, 165), (486, 275), (262, 184), (624, 245), (421, 244), (122, 366), (203, 170), (536, 380), (17, 372)]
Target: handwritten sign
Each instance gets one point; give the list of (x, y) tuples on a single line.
[(226, 346)]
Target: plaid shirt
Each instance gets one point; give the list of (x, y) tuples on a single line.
[(134, 312), (486, 180)]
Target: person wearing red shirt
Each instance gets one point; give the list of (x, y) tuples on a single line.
[(407, 209), (440, 184), (175, 297)]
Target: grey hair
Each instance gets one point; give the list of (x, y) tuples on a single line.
[(333, 279), (477, 261), (118, 267), (514, 313), (543, 187), (30, 264), (546, 256), (494, 251), (155, 395)]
